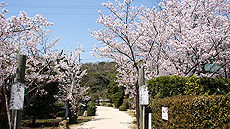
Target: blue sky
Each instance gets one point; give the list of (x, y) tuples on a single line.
[(71, 18)]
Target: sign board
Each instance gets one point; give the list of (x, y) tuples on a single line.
[(165, 113), (17, 96), (144, 95)]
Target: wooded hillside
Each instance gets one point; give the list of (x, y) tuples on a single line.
[(101, 78)]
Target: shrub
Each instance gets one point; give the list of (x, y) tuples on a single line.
[(209, 111), (58, 108), (168, 86), (209, 86), (91, 108), (118, 101), (103, 104), (122, 108), (80, 112), (110, 105), (192, 111)]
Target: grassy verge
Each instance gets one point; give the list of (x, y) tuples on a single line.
[(51, 123), (81, 120), (132, 114), (41, 123)]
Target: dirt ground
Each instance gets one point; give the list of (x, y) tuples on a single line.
[(108, 118)]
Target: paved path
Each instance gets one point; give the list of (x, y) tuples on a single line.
[(108, 118)]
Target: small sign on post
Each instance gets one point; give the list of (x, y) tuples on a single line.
[(144, 95), (165, 113), (17, 96), (144, 100)]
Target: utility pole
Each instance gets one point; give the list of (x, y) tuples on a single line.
[(141, 82), (20, 76)]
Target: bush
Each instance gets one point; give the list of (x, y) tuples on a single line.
[(58, 108), (91, 108), (168, 86), (209, 111), (110, 105), (103, 104), (209, 86), (192, 111), (118, 101), (122, 108), (80, 112), (128, 102)]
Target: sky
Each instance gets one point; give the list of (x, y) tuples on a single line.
[(72, 20)]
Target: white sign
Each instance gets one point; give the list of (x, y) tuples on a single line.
[(144, 95), (165, 113), (17, 96)]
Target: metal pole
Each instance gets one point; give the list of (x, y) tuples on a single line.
[(143, 116), (15, 119), (150, 121)]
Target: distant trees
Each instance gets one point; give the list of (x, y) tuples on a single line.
[(102, 82), (98, 78), (115, 92)]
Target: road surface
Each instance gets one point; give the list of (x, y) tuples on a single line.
[(108, 118)]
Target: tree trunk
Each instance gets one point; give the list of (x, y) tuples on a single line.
[(72, 117), (33, 122), (3, 111), (137, 105), (7, 111)]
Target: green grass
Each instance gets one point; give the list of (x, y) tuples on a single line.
[(50, 123), (41, 123), (81, 121), (132, 114)]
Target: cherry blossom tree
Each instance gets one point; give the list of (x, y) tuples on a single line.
[(25, 35), (29, 36), (199, 41), (184, 37), (70, 90), (121, 43), (167, 41)]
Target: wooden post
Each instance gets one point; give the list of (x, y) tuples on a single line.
[(20, 76), (141, 82), (21, 67)]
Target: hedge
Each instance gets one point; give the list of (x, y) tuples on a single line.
[(188, 111), (168, 86)]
